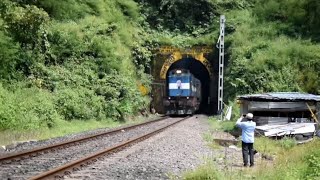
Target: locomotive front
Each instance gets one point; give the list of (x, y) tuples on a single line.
[(183, 93)]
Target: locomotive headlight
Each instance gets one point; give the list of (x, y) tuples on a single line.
[(169, 98), (178, 71), (187, 97)]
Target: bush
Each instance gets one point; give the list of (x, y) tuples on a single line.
[(298, 16), (26, 24), (80, 103), (263, 61), (124, 91), (82, 92), (287, 143), (313, 170), (185, 16), (8, 56), (27, 108), (68, 9)]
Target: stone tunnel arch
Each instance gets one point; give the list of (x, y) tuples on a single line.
[(177, 56)]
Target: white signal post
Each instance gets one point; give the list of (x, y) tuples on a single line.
[(221, 64)]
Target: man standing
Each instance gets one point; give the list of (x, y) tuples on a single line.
[(247, 138)]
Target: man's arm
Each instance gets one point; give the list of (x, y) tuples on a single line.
[(238, 123)]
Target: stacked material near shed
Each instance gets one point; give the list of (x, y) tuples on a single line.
[(282, 113)]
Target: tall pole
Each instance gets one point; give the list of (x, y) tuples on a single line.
[(221, 65)]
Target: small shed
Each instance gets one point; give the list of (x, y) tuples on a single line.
[(283, 113)]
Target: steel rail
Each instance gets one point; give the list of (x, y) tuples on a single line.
[(36, 151), (76, 165)]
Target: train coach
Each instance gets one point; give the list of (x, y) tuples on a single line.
[(183, 93)]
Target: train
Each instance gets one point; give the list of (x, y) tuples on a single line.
[(183, 93)]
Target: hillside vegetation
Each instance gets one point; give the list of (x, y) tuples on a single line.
[(70, 60), (65, 60), (275, 47)]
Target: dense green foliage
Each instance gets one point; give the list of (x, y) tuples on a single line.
[(182, 16), (66, 60), (26, 108), (298, 18), (274, 47), (87, 58)]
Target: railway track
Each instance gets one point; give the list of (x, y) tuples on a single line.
[(68, 157)]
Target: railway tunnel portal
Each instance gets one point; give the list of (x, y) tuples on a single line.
[(199, 60)]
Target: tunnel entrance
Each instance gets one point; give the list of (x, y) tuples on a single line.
[(200, 61), (200, 72)]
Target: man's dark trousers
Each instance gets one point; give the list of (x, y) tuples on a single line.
[(247, 149)]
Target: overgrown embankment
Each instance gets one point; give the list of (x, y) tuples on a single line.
[(272, 51), (70, 60)]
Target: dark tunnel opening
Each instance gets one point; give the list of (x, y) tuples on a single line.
[(201, 73)]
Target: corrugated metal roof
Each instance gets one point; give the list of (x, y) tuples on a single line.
[(287, 96)]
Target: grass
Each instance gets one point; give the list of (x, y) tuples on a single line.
[(221, 125), (63, 128), (294, 162), (290, 161), (207, 136), (273, 147), (226, 126), (206, 171)]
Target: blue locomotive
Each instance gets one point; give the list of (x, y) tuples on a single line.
[(183, 93)]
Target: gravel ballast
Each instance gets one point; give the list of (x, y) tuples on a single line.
[(167, 154), (32, 166), (31, 144)]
